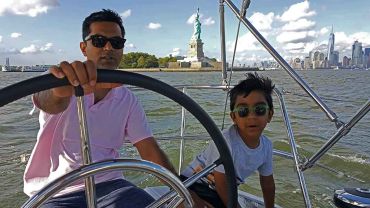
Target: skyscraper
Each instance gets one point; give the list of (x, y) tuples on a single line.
[(346, 61), (367, 51), (331, 58), (367, 57), (357, 54)]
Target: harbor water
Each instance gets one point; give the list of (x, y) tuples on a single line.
[(344, 92)]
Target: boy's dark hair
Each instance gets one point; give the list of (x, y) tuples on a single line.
[(105, 15), (251, 83)]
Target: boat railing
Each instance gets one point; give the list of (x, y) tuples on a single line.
[(287, 123), (90, 170), (301, 164), (342, 128), (330, 114), (341, 132), (293, 147)]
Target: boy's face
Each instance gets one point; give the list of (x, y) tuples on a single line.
[(251, 125)]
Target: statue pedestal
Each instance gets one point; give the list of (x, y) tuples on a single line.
[(198, 64), (195, 51)]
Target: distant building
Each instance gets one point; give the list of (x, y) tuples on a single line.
[(357, 54), (367, 57), (367, 51), (195, 50), (332, 59), (346, 62), (318, 60), (195, 56), (296, 63), (6, 67), (307, 63)]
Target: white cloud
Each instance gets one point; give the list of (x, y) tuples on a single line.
[(33, 49), (247, 42), (29, 8), (154, 26), (131, 45), (242, 58), (191, 19), (15, 35), (175, 52), (311, 46), (30, 49), (344, 42), (294, 46), (262, 21), (47, 47), (8, 51), (324, 30), (322, 46), (363, 37), (206, 21), (302, 49), (126, 14), (342, 38), (296, 37), (299, 25), (297, 11), (1, 38)]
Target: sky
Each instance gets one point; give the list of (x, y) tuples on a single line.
[(49, 31)]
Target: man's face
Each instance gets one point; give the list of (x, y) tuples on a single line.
[(106, 57)]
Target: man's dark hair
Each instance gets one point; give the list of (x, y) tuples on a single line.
[(105, 15), (251, 83)]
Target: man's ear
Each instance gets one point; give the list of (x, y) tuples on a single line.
[(83, 48)]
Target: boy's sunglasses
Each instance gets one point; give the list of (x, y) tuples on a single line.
[(258, 110), (100, 41)]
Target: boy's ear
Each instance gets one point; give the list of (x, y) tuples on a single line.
[(83, 48), (232, 116), (271, 113)]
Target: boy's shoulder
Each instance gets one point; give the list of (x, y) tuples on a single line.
[(266, 142), (230, 133), (265, 138)]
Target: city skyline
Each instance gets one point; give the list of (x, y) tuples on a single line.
[(316, 59), (49, 31)]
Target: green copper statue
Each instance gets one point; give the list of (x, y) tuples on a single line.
[(197, 27)]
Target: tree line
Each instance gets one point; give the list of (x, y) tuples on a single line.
[(144, 60)]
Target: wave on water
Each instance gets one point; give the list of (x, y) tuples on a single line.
[(287, 142), (357, 158)]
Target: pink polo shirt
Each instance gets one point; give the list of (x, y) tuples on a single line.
[(57, 151)]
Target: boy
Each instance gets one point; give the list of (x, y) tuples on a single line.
[(251, 109)]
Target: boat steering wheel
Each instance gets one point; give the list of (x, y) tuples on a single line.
[(44, 82)]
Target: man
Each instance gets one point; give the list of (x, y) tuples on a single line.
[(113, 114)]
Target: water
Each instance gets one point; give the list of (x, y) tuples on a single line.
[(343, 91)]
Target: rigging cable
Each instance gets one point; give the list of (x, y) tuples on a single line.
[(243, 11)]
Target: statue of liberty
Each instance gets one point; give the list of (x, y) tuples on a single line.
[(197, 27)]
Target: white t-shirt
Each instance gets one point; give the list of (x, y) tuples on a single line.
[(246, 160)]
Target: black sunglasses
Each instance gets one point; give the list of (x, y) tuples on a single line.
[(100, 41), (259, 110)]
